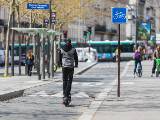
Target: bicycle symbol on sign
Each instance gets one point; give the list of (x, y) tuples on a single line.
[(119, 15)]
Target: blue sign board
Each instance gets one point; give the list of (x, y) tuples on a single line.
[(35, 6), (119, 15)]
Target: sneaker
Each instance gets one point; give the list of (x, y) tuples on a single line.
[(69, 99)]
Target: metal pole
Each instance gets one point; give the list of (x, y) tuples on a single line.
[(52, 43), (13, 39), (31, 17), (136, 24), (19, 41), (48, 55), (118, 90), (20, 58), (51, 53), (49, 42), (43, 57), (24, 37), (50, 12), (38, 57)]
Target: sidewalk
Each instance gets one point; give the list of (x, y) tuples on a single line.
[(140, 98), (14, 86)]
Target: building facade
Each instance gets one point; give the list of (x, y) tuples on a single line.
[(3, 24)]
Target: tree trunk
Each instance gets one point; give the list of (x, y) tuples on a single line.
[(7, 42)]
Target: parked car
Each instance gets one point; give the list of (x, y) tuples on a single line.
[(91, 54), (2, 58), (82, 56)]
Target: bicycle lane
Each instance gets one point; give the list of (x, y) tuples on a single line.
[(140, 98)]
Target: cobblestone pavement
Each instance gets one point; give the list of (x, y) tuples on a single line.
[(45, 102)]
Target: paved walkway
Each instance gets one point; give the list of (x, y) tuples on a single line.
[(140, 98), (14, 84)]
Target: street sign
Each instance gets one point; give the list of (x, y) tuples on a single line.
[(53, 15), (53, 21), (119, 15), (35, 6), (46, 21)]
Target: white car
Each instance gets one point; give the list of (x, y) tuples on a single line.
[(92, 54), (2, 58), (82, 56)]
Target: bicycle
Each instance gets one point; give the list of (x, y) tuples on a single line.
[(55, 67), (139, 70), (157, 71)]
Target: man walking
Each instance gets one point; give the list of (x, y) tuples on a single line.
[(68, 56)]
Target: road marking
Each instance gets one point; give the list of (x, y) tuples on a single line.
[(80, 95), (90, 112), (41, 94), (127, 83), (59, 95), (83, 83)]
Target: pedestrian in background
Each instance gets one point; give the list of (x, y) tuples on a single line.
[(116, 54), (29, 62), (68, 56), (156, 55)]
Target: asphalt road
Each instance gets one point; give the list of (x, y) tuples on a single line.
[(45, 102)]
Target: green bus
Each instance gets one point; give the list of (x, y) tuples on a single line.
[(106, 49)]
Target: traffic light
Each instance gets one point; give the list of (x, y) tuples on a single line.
[(65, 34), (89, 30), (85, 34)]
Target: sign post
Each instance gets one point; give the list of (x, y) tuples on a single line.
[(119, 17), (35, 6)]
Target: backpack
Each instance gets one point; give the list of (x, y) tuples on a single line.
[(137, 55)]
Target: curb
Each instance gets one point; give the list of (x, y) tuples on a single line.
[(85, 69), (19, 92)]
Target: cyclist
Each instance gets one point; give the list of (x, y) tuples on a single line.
[(156, 55), (138, 58)]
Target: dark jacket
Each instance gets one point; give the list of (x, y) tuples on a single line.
[(68, 56), (30, 61)]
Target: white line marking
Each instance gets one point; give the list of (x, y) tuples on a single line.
[(41, 94), (60, 94), (127, 83), (89, 113), (80, 95)]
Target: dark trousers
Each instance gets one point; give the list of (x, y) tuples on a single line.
[(154, 66), (136, 64), (67, 80), (29, 70)]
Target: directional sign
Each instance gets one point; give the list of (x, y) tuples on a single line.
[(35, 6), (46, 21), (53, 21), (53, 15), (119, 15)]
